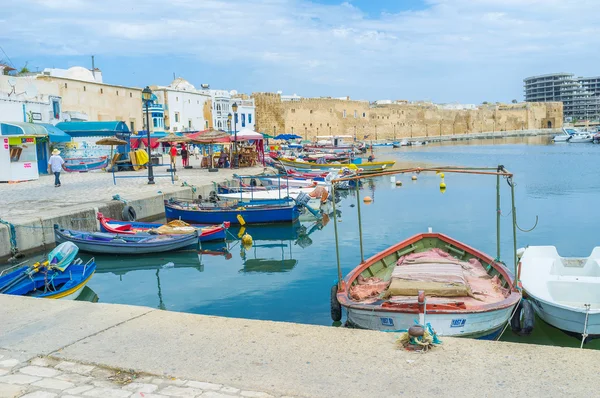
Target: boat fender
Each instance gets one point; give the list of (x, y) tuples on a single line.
[(336, 308), (523, 320), (129, 213)]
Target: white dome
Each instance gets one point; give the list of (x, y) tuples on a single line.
[(79, 73), (182, 84)]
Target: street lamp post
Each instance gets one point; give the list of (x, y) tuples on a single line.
[(147, 98), (234, 107), (229, 117)]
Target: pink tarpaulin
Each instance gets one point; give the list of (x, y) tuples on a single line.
[(135, 142)]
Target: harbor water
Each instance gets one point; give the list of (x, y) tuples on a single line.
[(288, 272)]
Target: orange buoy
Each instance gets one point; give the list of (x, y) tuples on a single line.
[(367, 199)]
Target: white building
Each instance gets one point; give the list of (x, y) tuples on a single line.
[(293, 97), (185, 107), (20, 101), (221, 106), (246, 113)]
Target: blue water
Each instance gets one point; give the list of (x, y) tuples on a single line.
[(557, 183)]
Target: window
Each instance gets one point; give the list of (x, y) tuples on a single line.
[(176, 117), (132, 126), (206, 124), (364, 114), (311, 111), (243, 120), (249, 118), (84, 88), (117, 92), (65, 85), (189, 123), (155, 122), (176, 99), (130, 95), (344, 113), (293, 111), (197, 102), (189, 101), (101, 91)]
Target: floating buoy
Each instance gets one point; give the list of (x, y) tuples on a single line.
[(442, 189), (442, 176), (442, 185), (367, 199), (247, 240), (398, 183), (414, 178)]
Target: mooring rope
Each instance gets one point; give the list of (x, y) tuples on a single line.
[(584, 335)]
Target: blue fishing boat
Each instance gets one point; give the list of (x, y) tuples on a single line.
[(85, 164), (107, 243), (206, 233), (253, 212), (61, 276)]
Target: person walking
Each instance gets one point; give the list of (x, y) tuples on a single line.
[(173, 153), (196, 152), (184, 156), (55, 165)]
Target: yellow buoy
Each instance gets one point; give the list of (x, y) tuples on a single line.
[(414, 178), (442, 175), (442, 185), (398, 183), (367, 199), (241, 220), (247, 240)]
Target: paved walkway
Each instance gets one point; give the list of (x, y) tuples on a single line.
[(47, 377), (251, 356), (20, 201)]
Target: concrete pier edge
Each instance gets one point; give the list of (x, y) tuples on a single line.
[(285, 358)]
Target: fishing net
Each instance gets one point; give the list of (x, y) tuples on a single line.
[(423, 343), (175, 227)]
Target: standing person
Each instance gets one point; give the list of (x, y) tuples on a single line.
[(173, 153), (184, 156), (196, 152), (55, 165)]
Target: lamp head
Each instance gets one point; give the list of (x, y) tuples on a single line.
[(147, 94), (229, 117), (234, 107)]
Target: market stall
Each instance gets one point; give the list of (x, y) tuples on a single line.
[(251, 147), (18, 155)]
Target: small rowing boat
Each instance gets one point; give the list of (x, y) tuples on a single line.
[(108, 243), (61, 276), (462, 291), (206, 233)]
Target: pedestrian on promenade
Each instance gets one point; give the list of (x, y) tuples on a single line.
[(196, 152), (184, 156), (173, 153), (55, 165)]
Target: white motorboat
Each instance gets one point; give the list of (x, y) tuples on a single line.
[(564, 136), (582, 137), (564, 291), (274, 194)]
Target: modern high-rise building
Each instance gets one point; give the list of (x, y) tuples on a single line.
[(580, 95)]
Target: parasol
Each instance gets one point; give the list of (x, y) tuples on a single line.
[(112, 141), (211, 137), (173, 138)]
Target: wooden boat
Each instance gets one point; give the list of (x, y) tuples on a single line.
[(564, 292), (370, 167), (107, 243), (206, 233), (85, 164), (316, 166), (60, 277), (251, 212), (460, 291)]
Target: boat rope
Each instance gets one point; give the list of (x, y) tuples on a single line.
[(12, 233), (508, 322), (232, 235), (119, 198), (584, 335)]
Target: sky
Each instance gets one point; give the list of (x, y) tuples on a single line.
[(445, 51)]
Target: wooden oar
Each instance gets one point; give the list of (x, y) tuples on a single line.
[(26, 273)]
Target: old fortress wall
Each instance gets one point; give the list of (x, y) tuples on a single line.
[(309, 117)]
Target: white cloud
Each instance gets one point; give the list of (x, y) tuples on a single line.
[(465, 50)]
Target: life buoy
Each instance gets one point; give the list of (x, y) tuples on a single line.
[(336, 307), (523, 320), (129, 213)]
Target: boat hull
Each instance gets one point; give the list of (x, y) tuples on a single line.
[(85, 164), (479, 325), (134, 248), (376, 166), (251, 215), (316, 166), (219, 233), (567, 319)]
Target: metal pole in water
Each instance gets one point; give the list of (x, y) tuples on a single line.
[(514, 220), (337, 246), (360, 235), (498, 215)]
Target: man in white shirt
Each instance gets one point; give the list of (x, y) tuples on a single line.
[(55, 165)]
